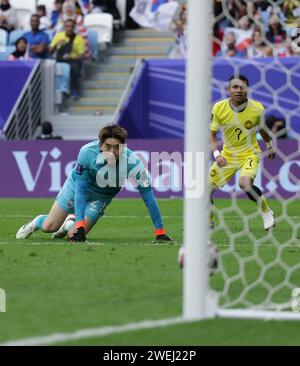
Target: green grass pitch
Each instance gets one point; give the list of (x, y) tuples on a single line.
[(121, 277)]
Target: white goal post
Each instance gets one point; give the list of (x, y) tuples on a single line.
[(200, 301), (195, 305)]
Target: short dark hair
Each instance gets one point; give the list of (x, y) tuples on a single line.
[(70, 20), (271, 119), (113, 131), (21, 39), (35, 16), (42, 8), (240, 77), (47, 128)]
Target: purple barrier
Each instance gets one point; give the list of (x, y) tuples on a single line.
[(155, 108), (13, 76), (39, 168)]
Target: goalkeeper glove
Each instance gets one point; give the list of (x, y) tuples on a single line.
[(79, 235), (161, 235)]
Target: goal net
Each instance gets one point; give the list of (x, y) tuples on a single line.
[(258, 273)]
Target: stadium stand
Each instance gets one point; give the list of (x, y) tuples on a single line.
[(257, 30), (24, 10), (106, 81)]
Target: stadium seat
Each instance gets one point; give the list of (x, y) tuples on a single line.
[(24, 10), (8, 50), (102, 23), (27, 5), (93, 42), (50, 33), (14, 36), (3, 39)]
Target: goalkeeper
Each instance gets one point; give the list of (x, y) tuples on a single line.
[(239, 117), (101, 168)]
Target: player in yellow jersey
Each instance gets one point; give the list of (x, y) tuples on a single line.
[(240, 117)]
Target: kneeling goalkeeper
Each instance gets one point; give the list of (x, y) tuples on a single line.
[(101, 168)]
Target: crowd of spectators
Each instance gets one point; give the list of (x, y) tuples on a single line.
[(60, 35), (252, 28), (8, 16), (257, 28)]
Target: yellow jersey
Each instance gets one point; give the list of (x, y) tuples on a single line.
[(239, 128), (78, 47)]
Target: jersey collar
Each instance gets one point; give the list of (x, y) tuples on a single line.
[(240, 108)]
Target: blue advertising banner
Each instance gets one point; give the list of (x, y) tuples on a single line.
[(155, 107), (13, 76)]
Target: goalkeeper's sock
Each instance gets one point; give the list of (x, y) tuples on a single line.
[(39, 221), (256, 196), (69, 224)]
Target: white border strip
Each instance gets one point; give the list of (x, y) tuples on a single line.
[(257, 314), (93, 332)]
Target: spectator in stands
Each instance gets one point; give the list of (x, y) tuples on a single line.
[(276, 35), (107, 6), (82, 7), (38, 40), (70, 48), (258, 47), (179, 50), (69, 12), (218, 35), (258, 6), (8, 16), (229, 48), (44, 21), (242, 34), (22, 50), (56, 13), (236, 9), (293, 42), (277, 125), (244, 23), (258, 9), (47, 132), (231, 51), (222, 22), (291, 10)]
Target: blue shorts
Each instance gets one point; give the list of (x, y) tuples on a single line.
[(94, 208)]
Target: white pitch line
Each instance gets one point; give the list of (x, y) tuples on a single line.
[(130, 217), (154, 244), (88, 244), (93, 332), (104, 217)]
